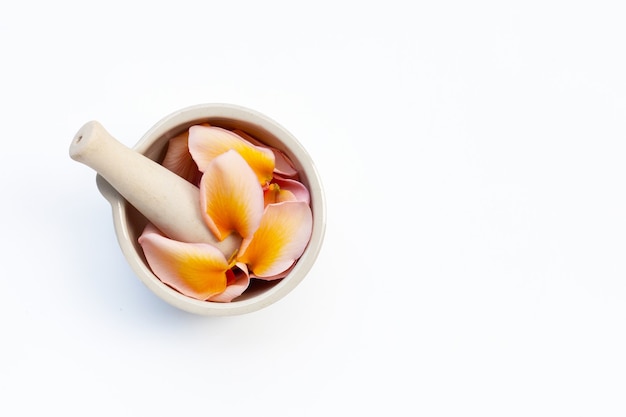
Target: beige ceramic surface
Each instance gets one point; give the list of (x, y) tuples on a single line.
[(167, 200), (123, 173)]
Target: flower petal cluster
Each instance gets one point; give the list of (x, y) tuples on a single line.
[(245, 188)]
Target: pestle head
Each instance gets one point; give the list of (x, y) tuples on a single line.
[(84, 139)]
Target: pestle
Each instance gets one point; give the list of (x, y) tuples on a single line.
[(168, 201)]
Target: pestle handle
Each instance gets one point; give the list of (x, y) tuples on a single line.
[(168, 201)]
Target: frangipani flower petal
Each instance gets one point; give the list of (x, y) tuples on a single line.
[(283, 165), (197, 270), (286, 190), (241, 281), (207, 143), (178, 159), (230, 196), (277, 276), (281, 238), (275, 194)]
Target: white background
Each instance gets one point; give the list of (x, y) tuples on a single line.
[(472, 155)]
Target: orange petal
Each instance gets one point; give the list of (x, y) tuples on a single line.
[(178, 159), (207, 143), (282, 189), (277, 276), (197, 270), (230, 196), (275, 194), (283, 164), (234, 290), (279, 241)]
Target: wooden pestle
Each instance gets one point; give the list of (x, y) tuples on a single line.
[(168, 201)]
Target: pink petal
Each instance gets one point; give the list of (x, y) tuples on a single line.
[(178, 159), (283, 164), (197, 270), (207, 143), (275, 194), (230, 196), (277, 276), (286, 190), (234, 290), (280, 240)]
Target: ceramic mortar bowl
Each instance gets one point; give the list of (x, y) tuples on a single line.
[(129, 223)]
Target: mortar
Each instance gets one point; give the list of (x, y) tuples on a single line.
[(139, 188)]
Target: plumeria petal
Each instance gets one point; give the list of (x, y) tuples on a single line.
[(282, 189), (207, 143), (275, 194), (178, 159), (283, 165), (241, 281), (230, 196), (280, 240), (277, 276), (197, 270)]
